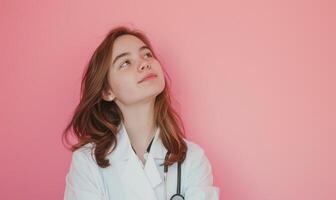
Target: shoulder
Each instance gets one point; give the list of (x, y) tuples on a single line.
[(83, 163), (84, 150), (196, 157), (195, 151), (197, 179), (84, 155), (83, 180), (197, 167)]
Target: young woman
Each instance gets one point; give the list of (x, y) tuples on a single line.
[(131, 142)]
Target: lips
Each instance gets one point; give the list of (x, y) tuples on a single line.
[(148, 76)]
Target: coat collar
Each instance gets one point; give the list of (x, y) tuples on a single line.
[(138, 181)]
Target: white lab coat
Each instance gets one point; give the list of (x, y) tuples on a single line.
[(128, 179)]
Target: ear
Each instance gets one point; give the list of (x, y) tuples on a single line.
[(108, 95)]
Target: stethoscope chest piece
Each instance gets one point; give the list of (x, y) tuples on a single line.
[(177, 197)]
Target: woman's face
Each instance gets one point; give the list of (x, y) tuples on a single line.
[(131, 62)]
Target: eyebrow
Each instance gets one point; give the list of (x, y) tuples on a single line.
[(127, 53)]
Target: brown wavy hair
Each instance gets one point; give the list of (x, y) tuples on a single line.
[(96, 121)]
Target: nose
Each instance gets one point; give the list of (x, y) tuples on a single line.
[(144, 65)]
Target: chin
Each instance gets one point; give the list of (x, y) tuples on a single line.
[(152, 93)]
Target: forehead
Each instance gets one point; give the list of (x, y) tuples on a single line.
[(125, 43)]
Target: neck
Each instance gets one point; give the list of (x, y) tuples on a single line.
[(139, 125)]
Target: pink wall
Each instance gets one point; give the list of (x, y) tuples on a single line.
[(255, 83)]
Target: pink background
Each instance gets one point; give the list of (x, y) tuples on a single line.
[(254, 82)]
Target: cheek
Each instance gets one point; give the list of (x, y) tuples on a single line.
[(162, 77), (122, 86), (158, 68), (159, 71), (125, 88)]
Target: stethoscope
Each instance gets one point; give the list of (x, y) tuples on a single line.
[(178, 195)]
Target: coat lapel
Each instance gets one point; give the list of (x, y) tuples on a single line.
[(156, 154), (135, 180), (138, 182)]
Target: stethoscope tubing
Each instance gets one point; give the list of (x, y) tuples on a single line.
[(178, 195)]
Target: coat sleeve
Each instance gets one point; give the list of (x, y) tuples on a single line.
[(199, 179), (82, 180)]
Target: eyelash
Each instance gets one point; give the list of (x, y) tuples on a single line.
[(127, 61)]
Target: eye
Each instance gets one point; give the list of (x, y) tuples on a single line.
[(149, 54), (124, 63)]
